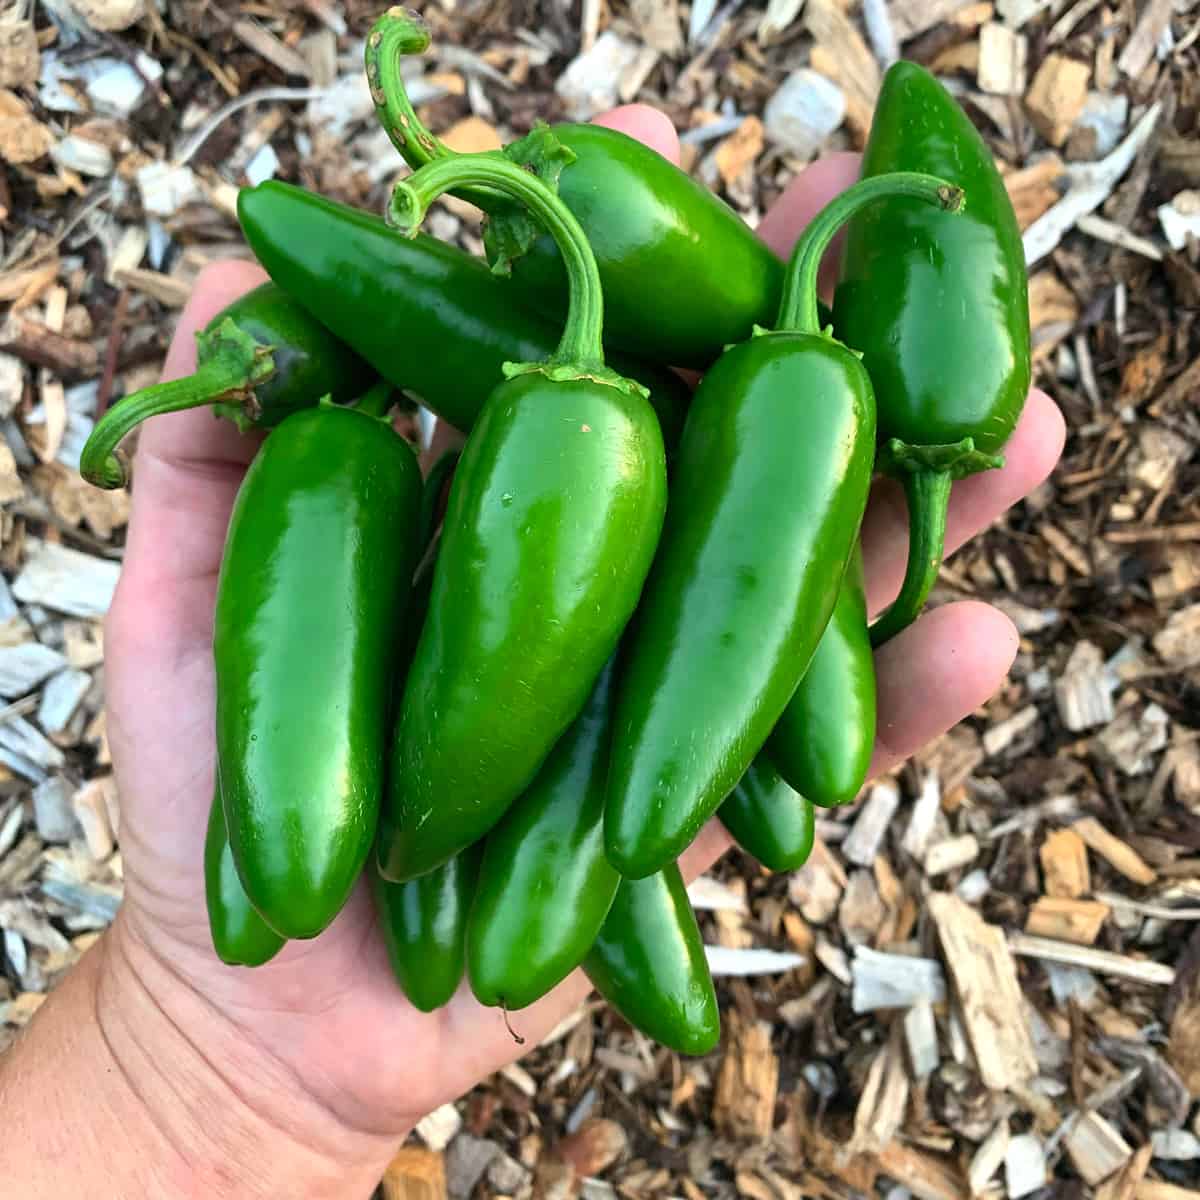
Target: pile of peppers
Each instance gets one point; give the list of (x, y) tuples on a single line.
[(512, 693)]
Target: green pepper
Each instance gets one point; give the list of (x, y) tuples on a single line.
[(939, 308), (383, 294), (545, 886), (554, 513), (424, 924), (310, 599), (683, 274), (768, 491), (260, 359), (239, 935), (648, 963), (769, 819), (822, 744)]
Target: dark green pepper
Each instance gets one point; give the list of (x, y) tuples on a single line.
[(239, 935), (385, 294), (939, 308), (656, 232), (768, 819), (768, 491), (553, 516), (648, 962), (260, 359), (545, 886), (424, 924), (310, 600), (822, 744)]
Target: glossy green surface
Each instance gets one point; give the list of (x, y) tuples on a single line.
[(239, 935), (822, 744), (311, 596), (424, 923), (683, 274), (767, 494), (768, 819), (545, 886), (936, 302), (553, 517), (427, 316), (309, 361), (648, 963)]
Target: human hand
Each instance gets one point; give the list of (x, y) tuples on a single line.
[(319, 1047)]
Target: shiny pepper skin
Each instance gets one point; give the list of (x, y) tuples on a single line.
[(768, 819), (311, 597)]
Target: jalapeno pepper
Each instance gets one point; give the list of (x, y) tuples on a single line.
[(648, 963), (768, 819), (313, 584), (383, 294), (939, 308), (822, 744), (656, 232), (261, 358), (424, 924), (768, 491), (553, 516), (545, 886), (239, 935)]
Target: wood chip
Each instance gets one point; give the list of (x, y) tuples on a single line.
[(1065, 865), (1114, 851), (1024, 1165), (816, 889), (1002, 57), (1095, 1148), (925, 1176), (871, 826), (985, 980), (883, 1100), (913, 17), (920, 1038), (1078, 921), (989, 1158), (1083, 693), (263, 42), (951, 854), (66, 580), (747, 1083), (1152, 1189), (738, 151), (1102, 961), (1154, 19), (415, 1174), (166, 289), (439, 1128), (886, 981), (846, 58), (35, 343), (1178, 643)]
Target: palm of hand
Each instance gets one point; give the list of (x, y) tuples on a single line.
[(328, 1011)]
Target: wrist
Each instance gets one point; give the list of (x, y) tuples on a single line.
[(235, 1121)]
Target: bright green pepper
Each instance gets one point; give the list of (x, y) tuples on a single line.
[(768, 491), (424, 924), (553, 516), (822, 744), (768, 819), (310, 600), (648, 963), (545, 886), (384, 294), (260, 359), (939, 307), (240, 936), (683, 274)]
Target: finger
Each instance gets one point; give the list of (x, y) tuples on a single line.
[(646, 124), (187, 470), (802, 199), (935, 673), (975, 502)]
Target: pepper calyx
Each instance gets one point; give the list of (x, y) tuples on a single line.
[(510, 229), (956, 459), (568, 372)]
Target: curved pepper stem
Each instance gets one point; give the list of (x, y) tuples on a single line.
[(231, 365), (579, 350), (377, 400), (798, 308), (394, 35)]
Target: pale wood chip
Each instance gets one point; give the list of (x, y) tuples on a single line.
[(1120, 856), (985, 979), (989, 1158), (884, 1097), (871, 826), (1002, 58), (1139, 50), (1096, 1148), (926, 1177), (1078, 921), (747, 1083), (1065, 865), (1104, 962)]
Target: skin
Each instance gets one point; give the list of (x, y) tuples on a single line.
[(178, 1075)]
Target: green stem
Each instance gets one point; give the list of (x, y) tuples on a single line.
[(580, 344), (798, 310), (230, 365), (377, 400), (927, 494), (395, 34)]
